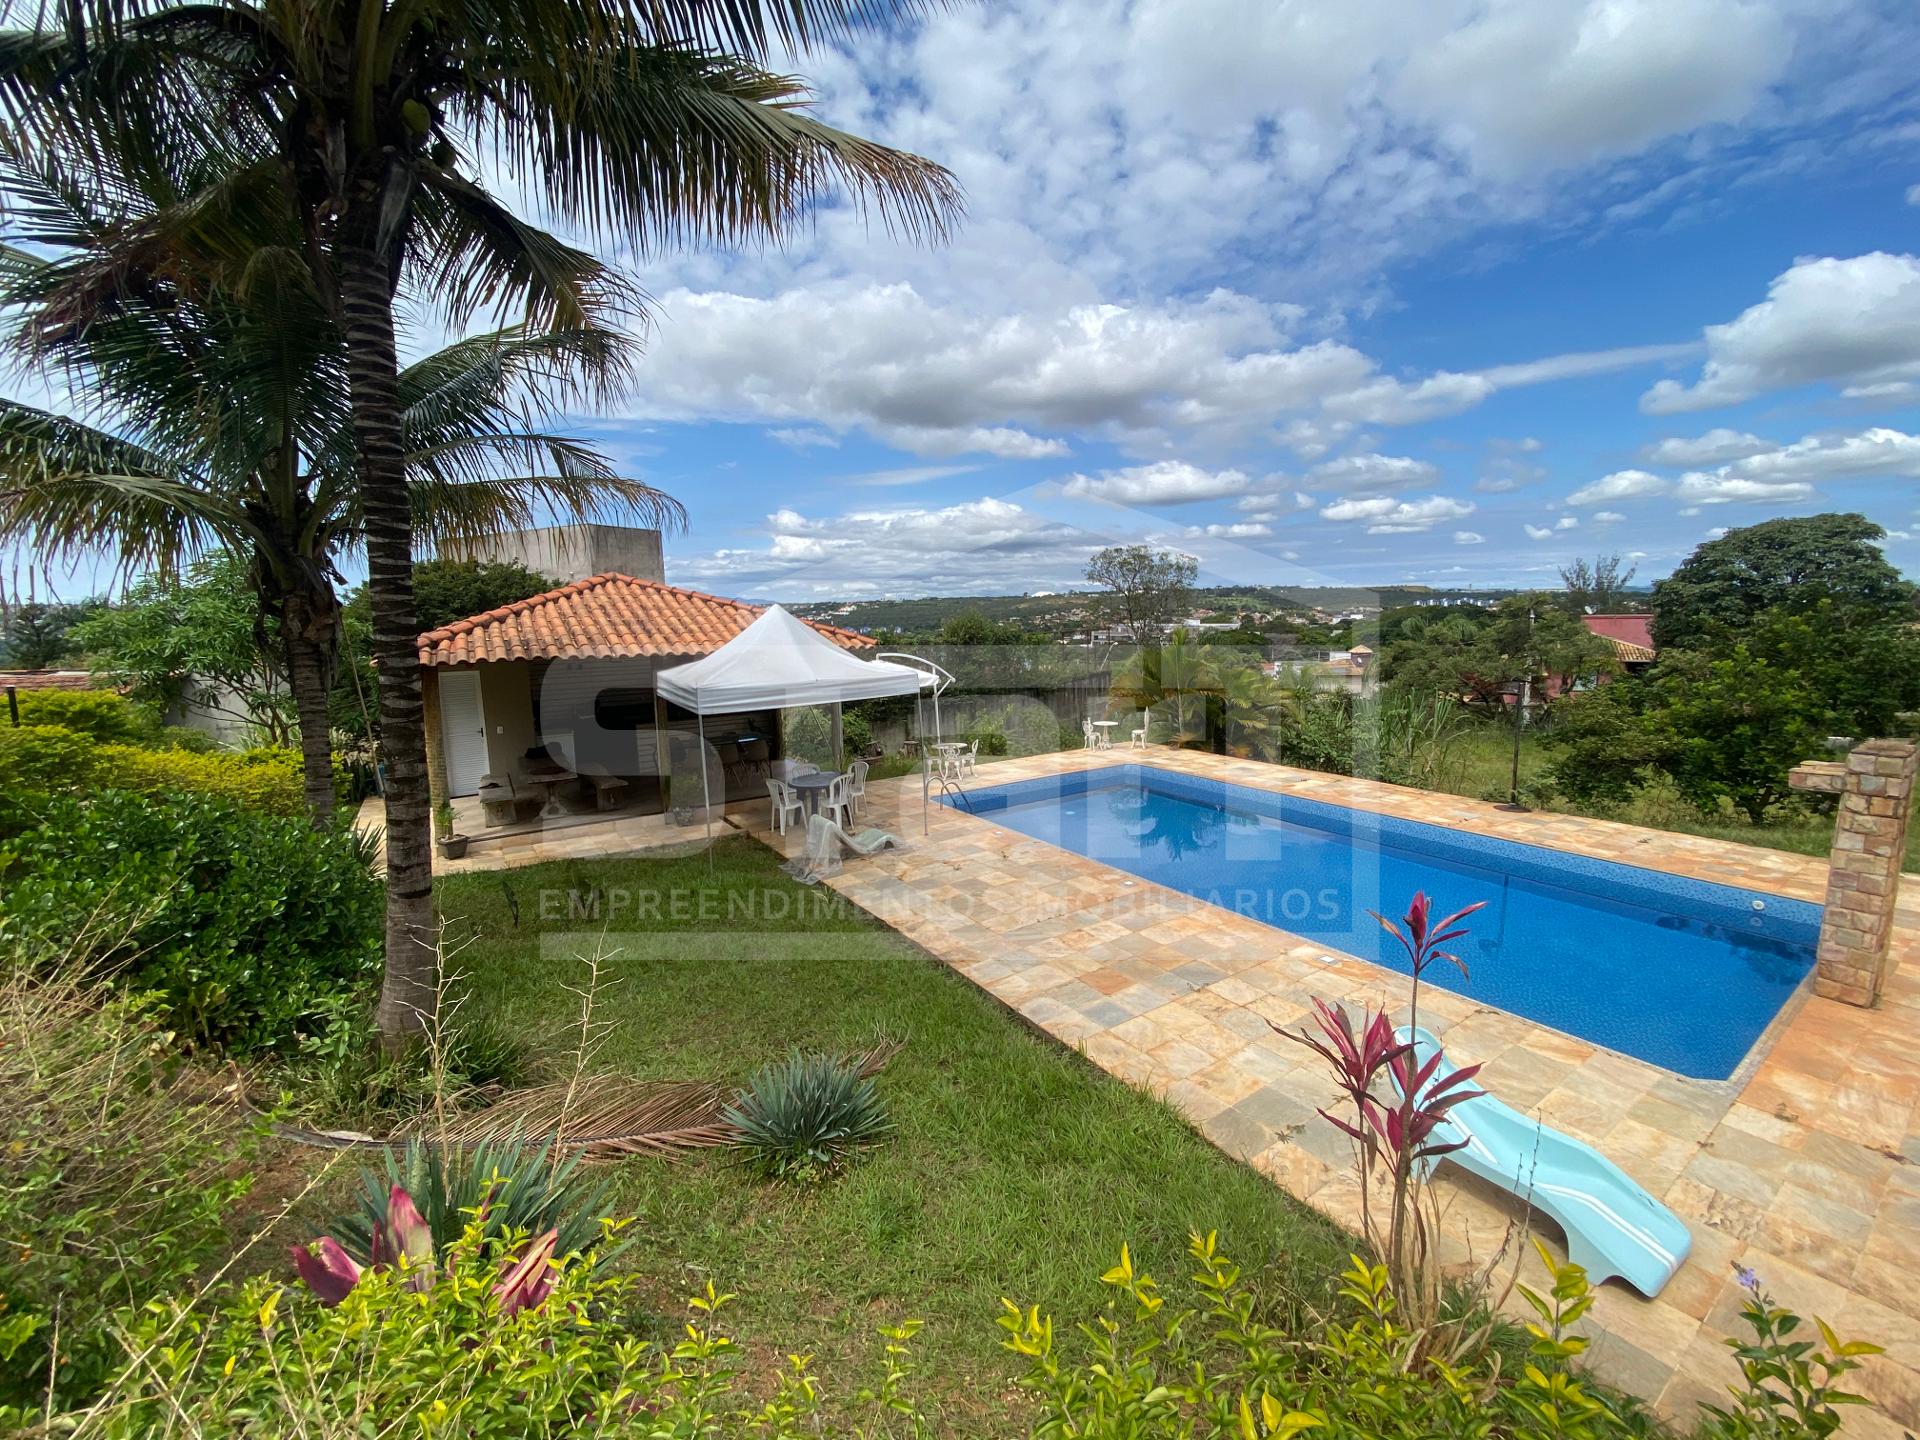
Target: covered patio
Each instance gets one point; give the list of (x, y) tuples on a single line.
[(544, 716)]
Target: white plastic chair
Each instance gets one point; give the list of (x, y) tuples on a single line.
[(1140, 735), (784, 802), (838, 801), (857, 789)]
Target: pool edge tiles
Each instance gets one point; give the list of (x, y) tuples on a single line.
[(1711, 928)]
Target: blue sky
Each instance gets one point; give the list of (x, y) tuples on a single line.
[(1444, 290), (1362, 292)]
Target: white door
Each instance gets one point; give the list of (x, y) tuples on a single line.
[(463, 730)]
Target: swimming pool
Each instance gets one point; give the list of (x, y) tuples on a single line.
[(1683, 973)]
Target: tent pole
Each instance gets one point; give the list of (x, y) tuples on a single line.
[(706, 785)]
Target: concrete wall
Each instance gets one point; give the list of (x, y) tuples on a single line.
[(573, 552)]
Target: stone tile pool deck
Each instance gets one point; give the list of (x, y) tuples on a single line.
[(1804, 1167)]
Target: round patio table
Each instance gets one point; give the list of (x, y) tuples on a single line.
[(813, 788)]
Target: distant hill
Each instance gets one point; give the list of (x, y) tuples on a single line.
[(1066, 612)]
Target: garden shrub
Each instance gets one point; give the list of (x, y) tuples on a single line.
[(1216, 1369), (56, 760), (105, 715), (438, 1356), (243, 924), (46, 759), (119, 1179), (265, 779)]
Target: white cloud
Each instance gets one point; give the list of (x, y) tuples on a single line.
[(979, 546), (907, 475), (1539, 532), (1531, 85), (1567, 522), (1239, 530), (1717, 532), (1165, 482), (1876, 452), (1387, 516), (1717, 489), (1620, 485), (1607, 517), (1375, 472), (1713, 448), (805, 437), (1913, 194), (1853, 322), (1468, 537)]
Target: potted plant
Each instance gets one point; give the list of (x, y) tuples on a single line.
[(452, 844)]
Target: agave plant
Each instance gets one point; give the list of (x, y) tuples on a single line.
[(806, 1115), (511, 1186)]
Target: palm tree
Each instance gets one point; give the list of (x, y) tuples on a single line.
[(651, 122), (219, 422)]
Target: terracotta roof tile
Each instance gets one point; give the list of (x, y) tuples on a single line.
[(603, 617)]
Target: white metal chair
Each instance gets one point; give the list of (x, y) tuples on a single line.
[(857, 784), (784, 802), (966, 760), (837, 804), (1086, 733), (1140, 735)]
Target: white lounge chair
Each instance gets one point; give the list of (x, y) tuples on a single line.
[(784, 802), (857, 788), (827, 842)]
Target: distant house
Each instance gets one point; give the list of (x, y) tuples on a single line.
[(1630, 635)]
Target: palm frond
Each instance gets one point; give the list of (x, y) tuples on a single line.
[(610, 1118), (68, 491), (669, 144), (477, 257)]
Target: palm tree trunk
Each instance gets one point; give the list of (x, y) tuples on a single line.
[(309, 625), (409, 988)]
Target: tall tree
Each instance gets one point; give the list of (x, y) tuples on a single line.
[(219, 421), (1146, 588), (1525, 639), (650, 123), (1597, 587), (1794, 563)]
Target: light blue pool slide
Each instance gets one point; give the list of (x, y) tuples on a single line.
[(1613, 1227)]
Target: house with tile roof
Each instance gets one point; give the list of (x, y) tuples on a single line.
[(1630, 635), (566, 679)]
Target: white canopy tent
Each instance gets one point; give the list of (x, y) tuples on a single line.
[(776, 663)]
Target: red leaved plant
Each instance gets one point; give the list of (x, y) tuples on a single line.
[(1399, 1134), (404, 1239)]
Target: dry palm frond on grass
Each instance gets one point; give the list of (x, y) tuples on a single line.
[(602, 1117), (609, 1117)]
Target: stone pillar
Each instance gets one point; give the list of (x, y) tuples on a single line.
[(1875, 786)]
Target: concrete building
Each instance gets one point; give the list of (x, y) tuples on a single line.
[(570, 553)]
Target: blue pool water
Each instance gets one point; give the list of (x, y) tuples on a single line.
[(1682, 973)]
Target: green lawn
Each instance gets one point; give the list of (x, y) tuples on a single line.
[(1018, 1169)]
